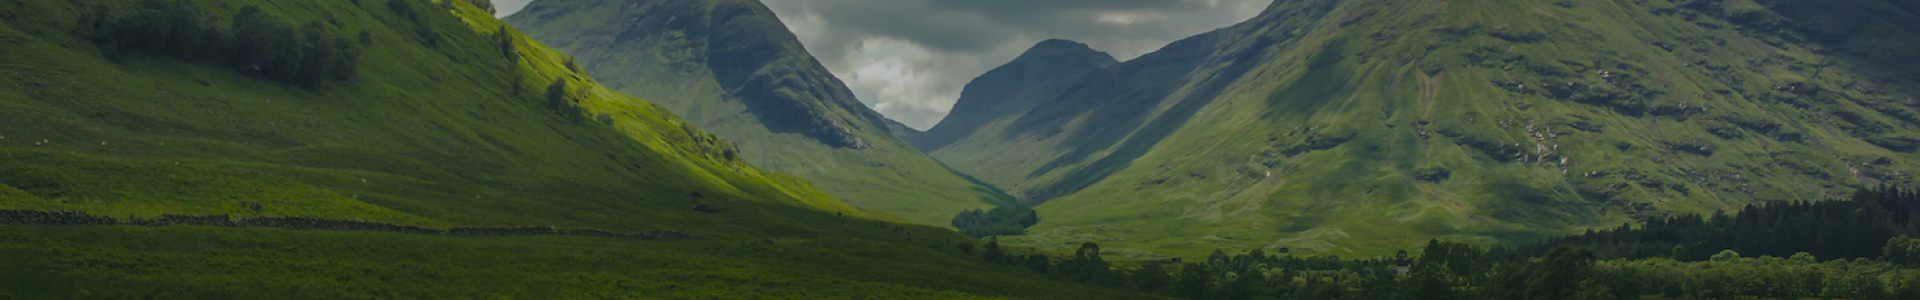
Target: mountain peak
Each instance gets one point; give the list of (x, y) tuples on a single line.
[(1012, 87), (1064, 49)]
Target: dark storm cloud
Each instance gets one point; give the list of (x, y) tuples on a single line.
[(909, 58)]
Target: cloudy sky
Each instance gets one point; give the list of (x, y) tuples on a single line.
[(909, 58)]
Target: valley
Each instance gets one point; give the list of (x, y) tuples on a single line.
[(716, 149)]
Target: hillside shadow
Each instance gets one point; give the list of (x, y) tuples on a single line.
[(1115, 102), (1152, 133)]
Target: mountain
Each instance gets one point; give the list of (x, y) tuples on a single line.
[(902, 131), (437, 123), (335, 149), (732, 67), (1369, 126), (1015, 87)]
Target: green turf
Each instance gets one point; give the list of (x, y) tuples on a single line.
[(184, 262)]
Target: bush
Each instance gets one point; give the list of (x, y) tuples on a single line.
[(508, 48), (404, 8), (561, 100)]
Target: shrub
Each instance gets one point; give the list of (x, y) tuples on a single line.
[(561, 101), (404, 8), (504, 40)]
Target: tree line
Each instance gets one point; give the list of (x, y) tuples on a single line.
[(1452, 271), (1861, 226), (1859, 249), (252, 42)]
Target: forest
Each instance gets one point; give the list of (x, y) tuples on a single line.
[(253, 42), (1758, 253), (1862, 227), (1004, 220)]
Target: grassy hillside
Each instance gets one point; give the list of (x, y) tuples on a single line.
[(250, 263), (1385, 123), (445, 131), (732, 67), (447, 118)]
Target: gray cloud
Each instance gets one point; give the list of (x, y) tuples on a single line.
[(909, 58)]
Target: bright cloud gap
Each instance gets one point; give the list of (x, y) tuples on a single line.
[(908, 59)]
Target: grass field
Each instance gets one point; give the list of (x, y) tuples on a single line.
[(184, 262)]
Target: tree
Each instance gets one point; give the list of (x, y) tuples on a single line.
[(1590, 290), (1004, 220), (1559, 275), (509, 48), (1902, 250), (1430, 283), (557, 96), (1038, 263), (1243, 284), (1195, 281), (992, 252), (1725, 255), (404, 8), (1085, 265), (1149, 278)]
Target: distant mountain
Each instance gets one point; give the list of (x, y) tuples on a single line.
[(732, 67), (1370, 126), (1029, 125), (1018, 86), (902, 131)]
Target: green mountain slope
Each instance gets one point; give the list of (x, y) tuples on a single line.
[(732, 67), (446, 118), (409, 139), (902, 131), (1383, 123)]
